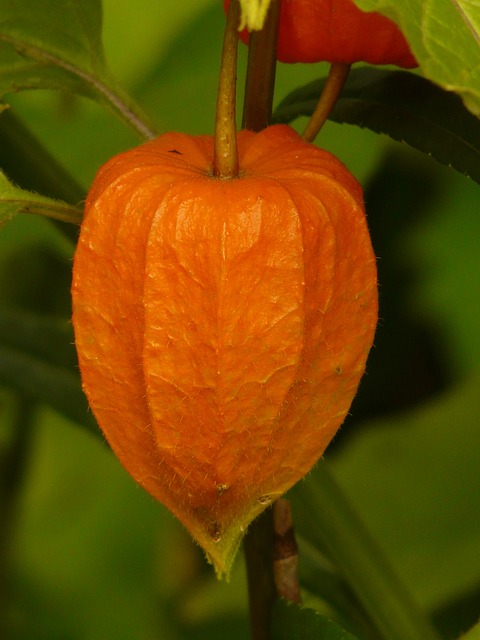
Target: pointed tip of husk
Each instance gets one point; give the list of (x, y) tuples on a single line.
[(221, 550), (221, 554)]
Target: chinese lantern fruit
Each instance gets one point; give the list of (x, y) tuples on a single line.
[(222, 326), (337, 31)]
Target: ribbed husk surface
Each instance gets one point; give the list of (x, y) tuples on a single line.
[(222, 326)]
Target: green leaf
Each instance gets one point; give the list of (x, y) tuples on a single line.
[(14, 200), (80, 515), (50, 44), (291, 622), (472, 634), (37, 358), (415, 480), (442, 249), (404, 106), (56, 44), (28, 163), (328, 520), (444, 36)]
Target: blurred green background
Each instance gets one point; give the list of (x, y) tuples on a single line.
[(85, 554)]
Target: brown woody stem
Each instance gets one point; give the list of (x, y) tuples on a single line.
[(260, 81), (285, 552), (258, 548), (336, 79), (225, 161)]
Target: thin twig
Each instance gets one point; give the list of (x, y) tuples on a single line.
[(336, 79)]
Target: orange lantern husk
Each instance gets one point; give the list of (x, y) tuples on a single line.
[(222, 326)]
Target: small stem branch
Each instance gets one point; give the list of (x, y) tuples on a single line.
[(127, 110), (261, 68), (225, 163), (55, 211), (336, 79), (258, 547)]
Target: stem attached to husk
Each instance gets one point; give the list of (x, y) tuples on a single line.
[(336, 79), (225, 162), (258, 548)]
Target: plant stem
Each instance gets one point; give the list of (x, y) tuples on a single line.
[(59, 211), (258, 548), (285, 552), (337, 76), (225, 161), (257, 111), (261, 68), (330, 522), (127, 110)]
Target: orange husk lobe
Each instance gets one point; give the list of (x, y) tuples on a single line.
[(337, 31), (222, 326)]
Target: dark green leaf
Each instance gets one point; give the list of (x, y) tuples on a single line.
[(472, 634), (444, 36), (37, 358), (414, 478), (30, 165), (329, 521), (404, 106), (44, 338), (20, 73), (291, 622)]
